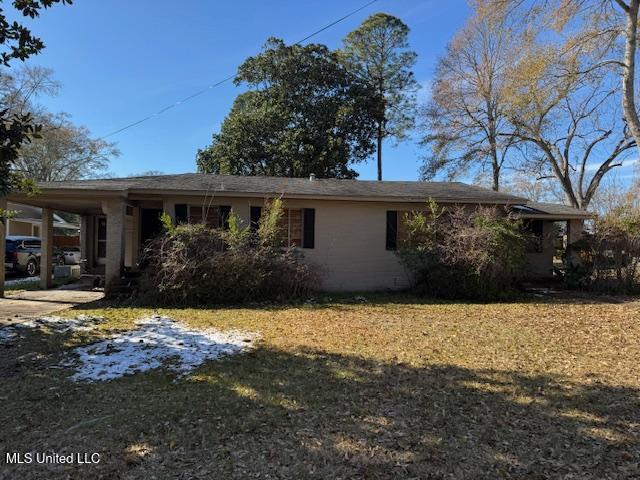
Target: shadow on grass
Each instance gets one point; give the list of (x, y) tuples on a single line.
[(337, 301), (311, 414)]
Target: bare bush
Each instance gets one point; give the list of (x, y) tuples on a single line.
[(192, 264), (459, 253), (608, 260)]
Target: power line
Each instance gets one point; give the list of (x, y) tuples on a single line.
[(230, 77)]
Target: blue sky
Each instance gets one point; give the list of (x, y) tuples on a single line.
[(121, 60)]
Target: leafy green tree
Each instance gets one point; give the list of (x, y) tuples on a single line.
[(378, 52), (18, 43), (304, 113)]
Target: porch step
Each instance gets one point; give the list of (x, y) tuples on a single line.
[(125, 286)]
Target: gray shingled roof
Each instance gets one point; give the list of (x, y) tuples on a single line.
[(553, 209), (30, 213), (231, 184)]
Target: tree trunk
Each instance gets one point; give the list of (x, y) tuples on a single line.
[(495, 164), (628, 76), (379, 151), (496, 178), (493, 144)]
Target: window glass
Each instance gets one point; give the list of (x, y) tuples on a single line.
[(102, 249), (102, 229), (101, 246)]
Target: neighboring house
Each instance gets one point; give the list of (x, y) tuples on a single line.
[(28, 221), (348, 228)]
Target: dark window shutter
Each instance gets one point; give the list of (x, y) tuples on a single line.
[(223, 218), (182, 215), (392, 230), (309, 228), (256, 212)]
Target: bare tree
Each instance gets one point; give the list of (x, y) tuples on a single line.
[(21, 88), (465, 120), (64, 151), (570, 116), (61, 150), (615, 193), (604, 30)]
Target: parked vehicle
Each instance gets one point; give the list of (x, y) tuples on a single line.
[(22, 254), (70, 255)]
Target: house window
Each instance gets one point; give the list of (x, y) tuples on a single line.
[(214, 216), (397, 233), (101, 237), (297, 227), (195, 215), (290, 226), (534, 231)]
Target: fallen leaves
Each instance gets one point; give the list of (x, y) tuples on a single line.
[(391, 388)]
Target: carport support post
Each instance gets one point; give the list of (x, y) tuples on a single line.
[(3, 233), (115, 212), (84, 241), (46, 255), (169, 207), (574, 230), (135, 253)]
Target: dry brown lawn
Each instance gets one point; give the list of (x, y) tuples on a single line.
[(544, 388)]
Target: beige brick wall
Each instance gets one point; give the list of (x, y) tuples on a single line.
[(350, 245), (350, 241)]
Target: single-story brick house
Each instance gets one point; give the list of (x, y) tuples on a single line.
[(346, 227)]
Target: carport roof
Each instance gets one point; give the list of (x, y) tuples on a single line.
[(548, 210)]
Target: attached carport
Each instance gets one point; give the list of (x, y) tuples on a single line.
[(110, 206), (540, 218)]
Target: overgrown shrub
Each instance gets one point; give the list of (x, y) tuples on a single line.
[(607, 260), (192, 264), (459, 253)]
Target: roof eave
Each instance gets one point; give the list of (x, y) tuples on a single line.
[(300, 196), (556, 216)]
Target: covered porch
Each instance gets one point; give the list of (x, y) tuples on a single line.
[(542, 222), (113, 229)]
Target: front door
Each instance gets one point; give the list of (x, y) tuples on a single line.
[(150, 224)]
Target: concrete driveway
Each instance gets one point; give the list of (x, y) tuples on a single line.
[(26, 304)]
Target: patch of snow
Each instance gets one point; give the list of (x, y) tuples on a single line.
[(7, 334), (19, 281), (82, 323), (156, 342)]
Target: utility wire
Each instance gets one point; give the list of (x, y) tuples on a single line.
[(230, 77)]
